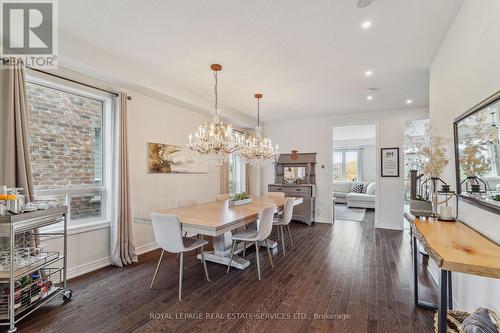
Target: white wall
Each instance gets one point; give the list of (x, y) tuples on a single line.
[(465, 71), (150, 120), (315, 135)]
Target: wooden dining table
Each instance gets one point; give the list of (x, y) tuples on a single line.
[(218, 219)]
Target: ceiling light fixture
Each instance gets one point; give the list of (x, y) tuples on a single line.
[(369, 73), (259, 151), (493, 135), (369, 93), (409, 101), (366, 25), (363, 3), (215, 140)]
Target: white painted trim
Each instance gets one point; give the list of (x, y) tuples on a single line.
[(389, 227), (74, 272), (146, 248), (88, 267), (80, 228), (323, 219)]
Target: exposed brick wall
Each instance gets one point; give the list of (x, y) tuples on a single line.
[(62, 129)]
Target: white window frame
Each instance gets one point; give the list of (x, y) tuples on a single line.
[(109, 107), (343, 167)]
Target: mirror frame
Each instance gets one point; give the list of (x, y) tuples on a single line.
[(476, 202)]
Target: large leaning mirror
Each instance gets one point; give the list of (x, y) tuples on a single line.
[(477, 154)]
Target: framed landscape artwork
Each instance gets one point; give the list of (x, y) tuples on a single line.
[(167, 158)]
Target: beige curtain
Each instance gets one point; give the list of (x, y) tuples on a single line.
[(122, 240), (16, 162)]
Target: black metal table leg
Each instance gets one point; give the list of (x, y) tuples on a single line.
[(415, 270), (450, 292), (443, 301), (420, 304)]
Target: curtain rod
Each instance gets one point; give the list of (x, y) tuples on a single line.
[(77, 82)]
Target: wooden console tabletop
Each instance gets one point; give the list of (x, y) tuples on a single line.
[(456, 247)]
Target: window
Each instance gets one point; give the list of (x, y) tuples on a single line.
[(237, 175), (346, 165), (67, 127)]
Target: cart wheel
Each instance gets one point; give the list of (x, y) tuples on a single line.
[(67, 295)]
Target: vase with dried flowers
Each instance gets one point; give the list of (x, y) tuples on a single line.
[(431, 162), (473, 159)]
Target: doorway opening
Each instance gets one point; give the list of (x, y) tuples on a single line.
[(354, 180)]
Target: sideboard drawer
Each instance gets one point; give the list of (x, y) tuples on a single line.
[(277, 188), (291, 191), (298, 190)]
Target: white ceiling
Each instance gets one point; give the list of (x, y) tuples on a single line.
[(306, 57)]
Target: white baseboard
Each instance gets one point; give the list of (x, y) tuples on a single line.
[(146, 248), (74, 272), (388, 226), (88, 267), (323, 219)]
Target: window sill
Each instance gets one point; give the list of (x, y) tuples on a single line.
[(79, 228)]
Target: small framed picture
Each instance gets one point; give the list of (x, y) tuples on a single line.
[(389, 159)]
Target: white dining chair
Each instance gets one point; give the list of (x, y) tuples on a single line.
[(187, 203), (264, 226), (168, 235), (284, 221), (222, 197), (279, 195)]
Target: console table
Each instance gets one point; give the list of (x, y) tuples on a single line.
[(455, 247)]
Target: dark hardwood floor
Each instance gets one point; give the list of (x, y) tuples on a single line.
[(346, 277)]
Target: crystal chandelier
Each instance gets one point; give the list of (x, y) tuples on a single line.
[(259, 151), (493, 131), (215, 140)]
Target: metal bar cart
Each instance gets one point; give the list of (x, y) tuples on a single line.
[(30, 275)]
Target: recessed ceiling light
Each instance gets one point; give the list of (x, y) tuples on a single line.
[(366, 25), (369, 73), (369, 97), (409, 101)]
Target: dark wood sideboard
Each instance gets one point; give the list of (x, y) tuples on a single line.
[(304, 187)]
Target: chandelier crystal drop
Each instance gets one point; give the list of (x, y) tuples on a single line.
[(259, 151), (215, 140)]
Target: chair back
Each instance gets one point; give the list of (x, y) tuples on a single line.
[(276, 194), (168, 233), (288, 210), (222, 197), (186, 203), (266, 222)]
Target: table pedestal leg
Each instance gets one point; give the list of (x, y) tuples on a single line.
[(222, 251)]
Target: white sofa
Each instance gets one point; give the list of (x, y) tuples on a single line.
[(342, 191)]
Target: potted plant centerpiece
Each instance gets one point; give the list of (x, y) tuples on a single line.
[(240, 199)]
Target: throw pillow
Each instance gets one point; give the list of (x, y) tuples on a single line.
[(482, 320), (357, 188), (370, 189)]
